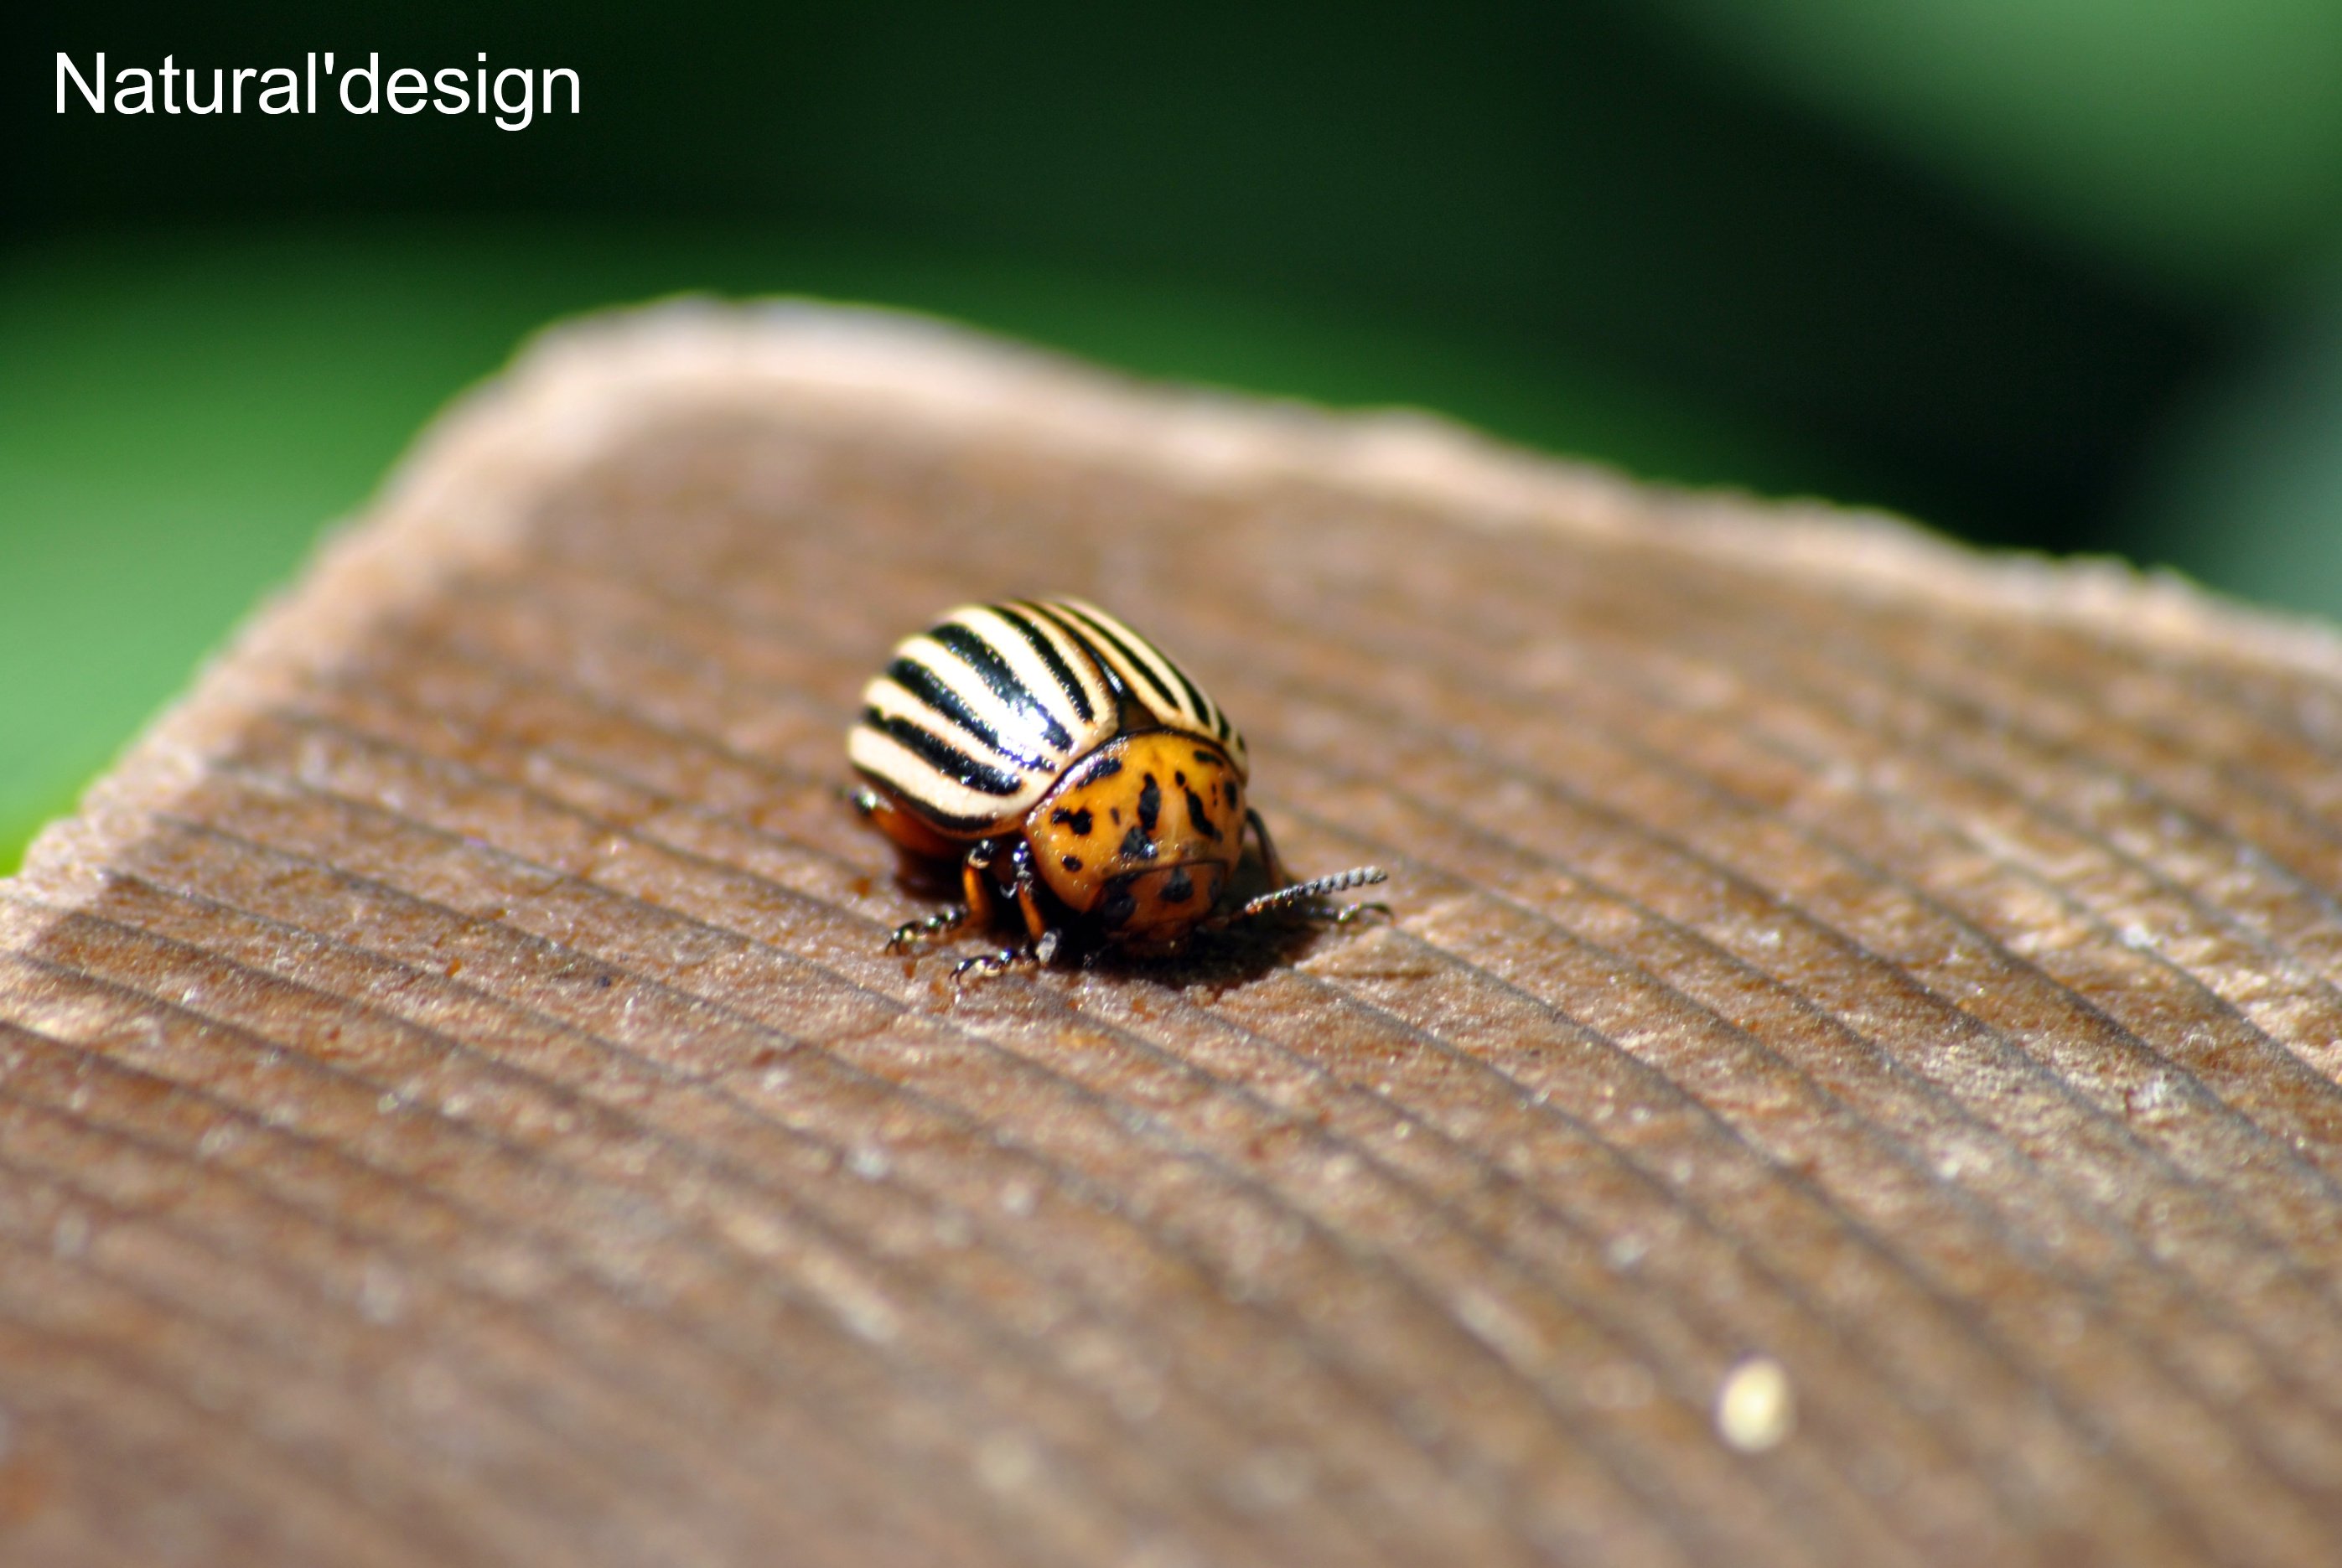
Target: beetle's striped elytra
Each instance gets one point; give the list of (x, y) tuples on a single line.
[(1077, 775)]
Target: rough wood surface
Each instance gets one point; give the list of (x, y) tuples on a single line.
[(453, 1108)]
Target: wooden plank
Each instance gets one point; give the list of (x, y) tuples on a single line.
[(1850, 1077)]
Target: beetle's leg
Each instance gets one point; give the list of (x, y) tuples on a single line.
[(974, 885), (985, 964), (1042, 950), (1284, 893), (1027, 889), (1310, 895), (943, 922), (1277, 875)]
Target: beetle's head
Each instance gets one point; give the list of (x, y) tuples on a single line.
[(1142, 835)]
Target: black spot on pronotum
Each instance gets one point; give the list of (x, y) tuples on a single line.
[(1179, 779), (1207, 758), (1136, 845), (1178, 887), (1104, 768), (1073, 861), (1118, 905), (1080, 821), (1196, 813), (1150, 803)]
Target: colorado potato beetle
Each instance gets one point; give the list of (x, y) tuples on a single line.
[(1073, 772)]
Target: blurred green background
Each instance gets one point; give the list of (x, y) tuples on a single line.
[(2057, 273)]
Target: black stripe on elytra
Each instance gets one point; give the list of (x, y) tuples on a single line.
[(1060, 670), (985, 660), (928, 687), (947, 821), (1145, 670), (1088, 645), (1203, 707), (944, 758)]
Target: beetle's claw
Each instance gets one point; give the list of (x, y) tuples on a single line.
[(985, 964), (941, 924), (1351, 914)]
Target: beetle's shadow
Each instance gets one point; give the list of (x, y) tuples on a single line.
[(931, 882), (1219, 960), (1215, 961)]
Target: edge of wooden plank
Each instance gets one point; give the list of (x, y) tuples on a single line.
[(461, 495)]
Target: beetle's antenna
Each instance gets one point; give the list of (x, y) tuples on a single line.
[(1314, 889)]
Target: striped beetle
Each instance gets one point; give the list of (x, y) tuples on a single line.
[(1073, 771)]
